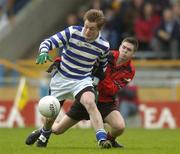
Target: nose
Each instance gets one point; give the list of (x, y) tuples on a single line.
[(87, 30), (125, 51)]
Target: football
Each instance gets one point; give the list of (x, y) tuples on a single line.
[(49, 106)]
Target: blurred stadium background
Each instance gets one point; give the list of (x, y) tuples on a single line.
[(25, 23)]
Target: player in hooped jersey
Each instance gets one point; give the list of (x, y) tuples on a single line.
[(120, 71), (82, 46)]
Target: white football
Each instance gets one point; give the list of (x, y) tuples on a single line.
[(49, 106)]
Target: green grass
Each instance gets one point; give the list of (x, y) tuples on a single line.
[(82, 141)]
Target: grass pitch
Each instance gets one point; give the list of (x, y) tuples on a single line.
[(82, 141)]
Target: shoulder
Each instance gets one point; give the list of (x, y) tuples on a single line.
[(130, 71), (77, 28), (112, 55), (132, 67), (103, 40), (104, 43), (74, 29)]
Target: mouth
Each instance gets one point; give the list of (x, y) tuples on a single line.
[(124, 56), (88, 35)]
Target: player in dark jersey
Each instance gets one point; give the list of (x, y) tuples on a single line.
[(120, 71)]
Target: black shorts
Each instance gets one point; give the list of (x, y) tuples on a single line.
[(78, 111)]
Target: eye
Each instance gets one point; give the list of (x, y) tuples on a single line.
[(123, 47), (128, 49), (92, 28)]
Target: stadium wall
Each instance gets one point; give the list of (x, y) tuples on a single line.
[(153, 115)]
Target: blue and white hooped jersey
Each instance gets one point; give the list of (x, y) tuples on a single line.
[(78, 55)]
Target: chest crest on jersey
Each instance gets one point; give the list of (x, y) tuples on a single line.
[(79, 43), (87, 45)]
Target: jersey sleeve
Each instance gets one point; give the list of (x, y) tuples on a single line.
[(103, 59), (121, 83), (58, 40), (110, 87)]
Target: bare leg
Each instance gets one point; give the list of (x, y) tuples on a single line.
[(63, 125), (48, 122), (116, 122), (88, 100)]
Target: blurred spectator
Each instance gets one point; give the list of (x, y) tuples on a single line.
[(96, 4), (80, 14), (109, 32), (116, 23), (8, 9), (3, 4), (129, 101), (145, 26), (129, 11), (116, 4), (160, 5), (176, 11), (14, 6), (167, 35), (71, 20)]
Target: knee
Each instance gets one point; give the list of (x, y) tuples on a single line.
[(90, 105), (120, 126)]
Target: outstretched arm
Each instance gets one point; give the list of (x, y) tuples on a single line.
[(56, 41)]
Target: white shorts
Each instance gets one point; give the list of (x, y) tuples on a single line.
[(65, 88)]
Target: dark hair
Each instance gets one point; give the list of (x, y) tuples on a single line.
[(97, 16), (133, 41)]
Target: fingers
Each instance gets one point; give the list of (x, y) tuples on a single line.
[(41, 59), (44, 59)]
